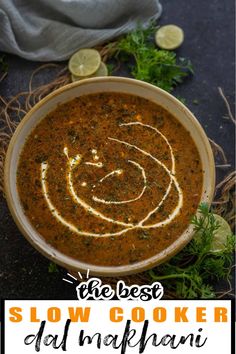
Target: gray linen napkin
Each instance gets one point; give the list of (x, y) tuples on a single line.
[(45, 30)]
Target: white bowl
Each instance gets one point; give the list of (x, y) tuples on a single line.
[(95, 85)]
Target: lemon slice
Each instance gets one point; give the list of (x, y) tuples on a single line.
[(169, 37), (76, 78), (220, 235), (85, 62), (102, 71)]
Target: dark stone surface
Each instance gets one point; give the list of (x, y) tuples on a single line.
[(209, 43)]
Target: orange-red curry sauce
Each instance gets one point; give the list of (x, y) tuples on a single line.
[(94, 174)]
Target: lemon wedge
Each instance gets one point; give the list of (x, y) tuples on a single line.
[(169, 37), (102, 71), (85, 62)]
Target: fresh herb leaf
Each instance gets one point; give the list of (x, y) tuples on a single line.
[(153, 65), (196, 267), (52, 268), (110, 68)]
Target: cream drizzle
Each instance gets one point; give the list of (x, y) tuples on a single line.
[(95, 156), (115, 172), (172, 179), (57, 215), (129, 200), (82, 203), (54, 211), (158, 132), (73, 162), (95, 164), (180, 201)]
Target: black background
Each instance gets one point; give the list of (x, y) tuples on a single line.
[(209, 43)]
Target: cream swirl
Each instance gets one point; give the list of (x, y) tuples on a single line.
[(75, 162)]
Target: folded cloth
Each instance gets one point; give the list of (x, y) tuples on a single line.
[(45, 30)]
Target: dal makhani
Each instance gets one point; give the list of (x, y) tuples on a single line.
[(110, 178)]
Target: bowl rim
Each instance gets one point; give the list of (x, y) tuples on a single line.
[(74, 264)]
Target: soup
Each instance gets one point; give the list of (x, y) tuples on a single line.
[(110, 179)]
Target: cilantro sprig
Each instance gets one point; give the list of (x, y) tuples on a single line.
[(191, 272), (156, 66), (52, 268)]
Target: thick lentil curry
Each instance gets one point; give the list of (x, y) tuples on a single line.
[(110, 178)]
